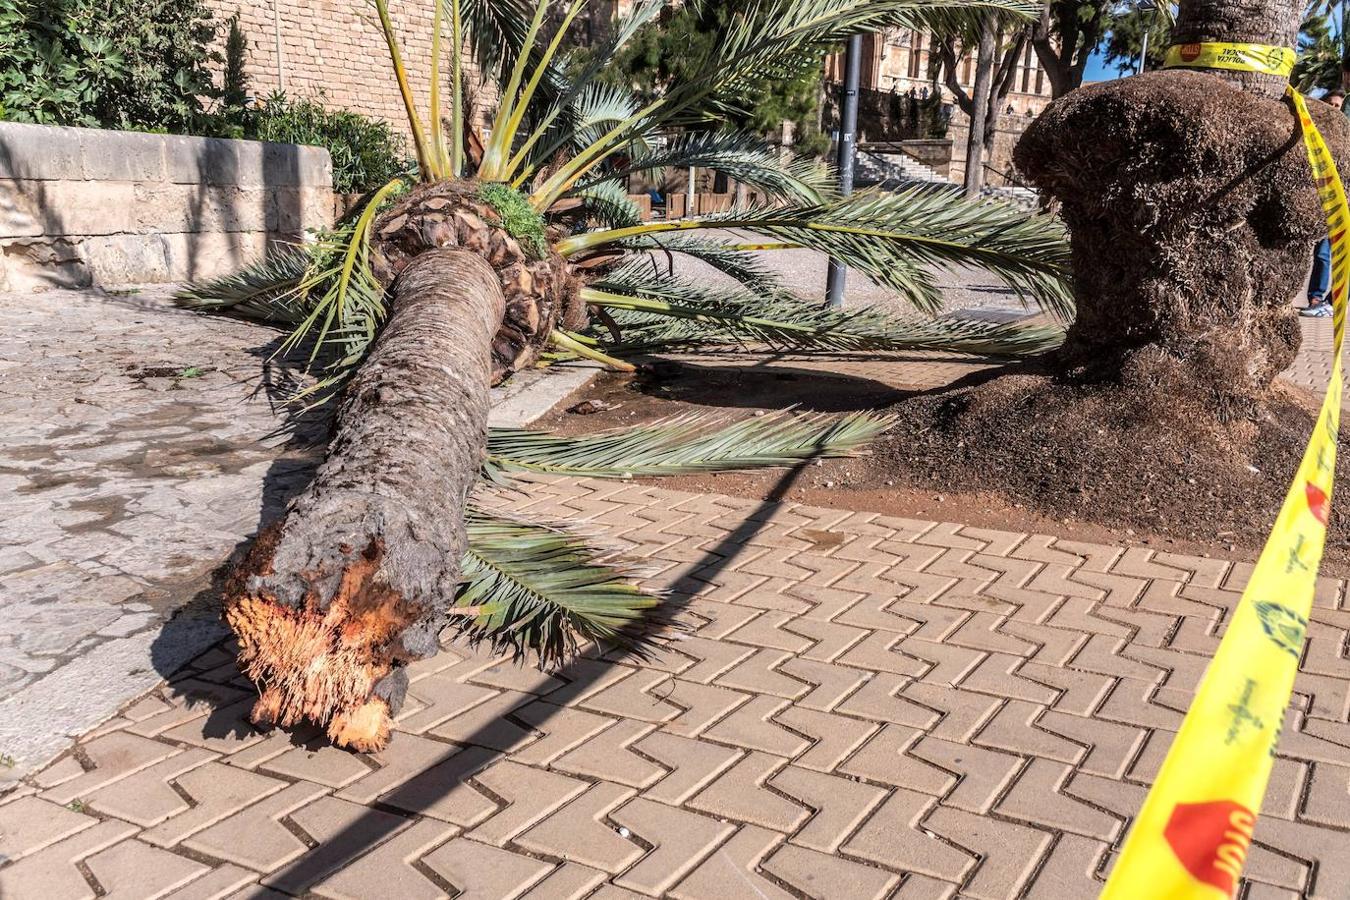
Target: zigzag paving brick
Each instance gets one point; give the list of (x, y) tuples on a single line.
[(836, 737), (829, 877), (567, 882), (255, 836), (215, 884), (215, 791), (732, 872), (580, 833), (895, 837), (113, 756), (28, 824), (680, 840), (388, 870), (740, 794), (131, 870), (840, 805), (53, 871), (481, 872), (608, 756), (693, 764), (863, 706)]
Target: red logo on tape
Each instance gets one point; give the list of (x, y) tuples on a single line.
[(1318, 502), (1190, 52), (1211, 840)]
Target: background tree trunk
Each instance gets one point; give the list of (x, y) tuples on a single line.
[(979, 113), (1192, 214), (358, 577)]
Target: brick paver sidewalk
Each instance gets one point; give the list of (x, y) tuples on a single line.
[(863, 706)]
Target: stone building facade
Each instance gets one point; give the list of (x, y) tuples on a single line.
[(903, 60), (334, 50)]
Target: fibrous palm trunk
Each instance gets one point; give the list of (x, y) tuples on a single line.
[(1192, 215), (359, 577)]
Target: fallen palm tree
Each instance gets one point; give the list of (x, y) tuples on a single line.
[(497, 254)]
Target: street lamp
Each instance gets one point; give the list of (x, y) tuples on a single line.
[(1144, 6), (848, 135)]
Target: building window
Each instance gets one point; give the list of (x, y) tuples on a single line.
[(915, 57)]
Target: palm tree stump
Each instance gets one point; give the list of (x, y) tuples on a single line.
[(1193, 215)]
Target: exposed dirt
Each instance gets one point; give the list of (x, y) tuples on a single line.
[(982, 454)]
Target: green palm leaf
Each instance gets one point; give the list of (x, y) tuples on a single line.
[(682, 445), (671, 314), (742, 265), (264, 291), (540, 588), (609, 204), (772, 39), (741, 156), (896, 238)]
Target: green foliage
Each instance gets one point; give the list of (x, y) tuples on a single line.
[(1319, 54), (366, 152), (673, 51), (518, 217), (137, 64), (234, 82), (681, 445), (538, 587), (1125, 41)]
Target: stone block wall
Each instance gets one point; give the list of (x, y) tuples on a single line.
[(334, 50), (82, 207)]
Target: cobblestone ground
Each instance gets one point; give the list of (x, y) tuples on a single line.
[(862, 706), (138, 451)]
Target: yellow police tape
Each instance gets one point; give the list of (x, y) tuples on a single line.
[(1190, 840), (1237, 57)]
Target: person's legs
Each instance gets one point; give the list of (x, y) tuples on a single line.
[(1319, 285)]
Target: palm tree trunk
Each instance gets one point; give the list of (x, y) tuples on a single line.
[(1192, 215), (358, 578), (1273, 22)]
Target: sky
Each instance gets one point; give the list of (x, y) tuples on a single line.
[(1097, 70)]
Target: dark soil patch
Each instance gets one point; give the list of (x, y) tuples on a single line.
[(1015, 453)]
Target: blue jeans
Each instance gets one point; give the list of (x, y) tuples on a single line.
[(1320, 283)]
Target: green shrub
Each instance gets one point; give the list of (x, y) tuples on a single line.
[(366, 152), (111, 63)]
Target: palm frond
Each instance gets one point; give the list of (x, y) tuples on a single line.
[(264, 291), (575, 120), (744, 157), (896, 238), (671, 313), (608, 204), (496, 30), (541, 589), (773, 39), (742, 265), (692, 443)]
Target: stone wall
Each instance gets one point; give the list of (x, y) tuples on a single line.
[(334, 50), (1010, 128), (83, 207)]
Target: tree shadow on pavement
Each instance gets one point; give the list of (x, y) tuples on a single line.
[(465, 756)]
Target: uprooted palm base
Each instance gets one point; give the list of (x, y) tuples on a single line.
[(358, 578), (1193, 215), (1107, 455)]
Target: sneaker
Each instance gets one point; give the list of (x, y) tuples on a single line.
[(1317, 310)]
